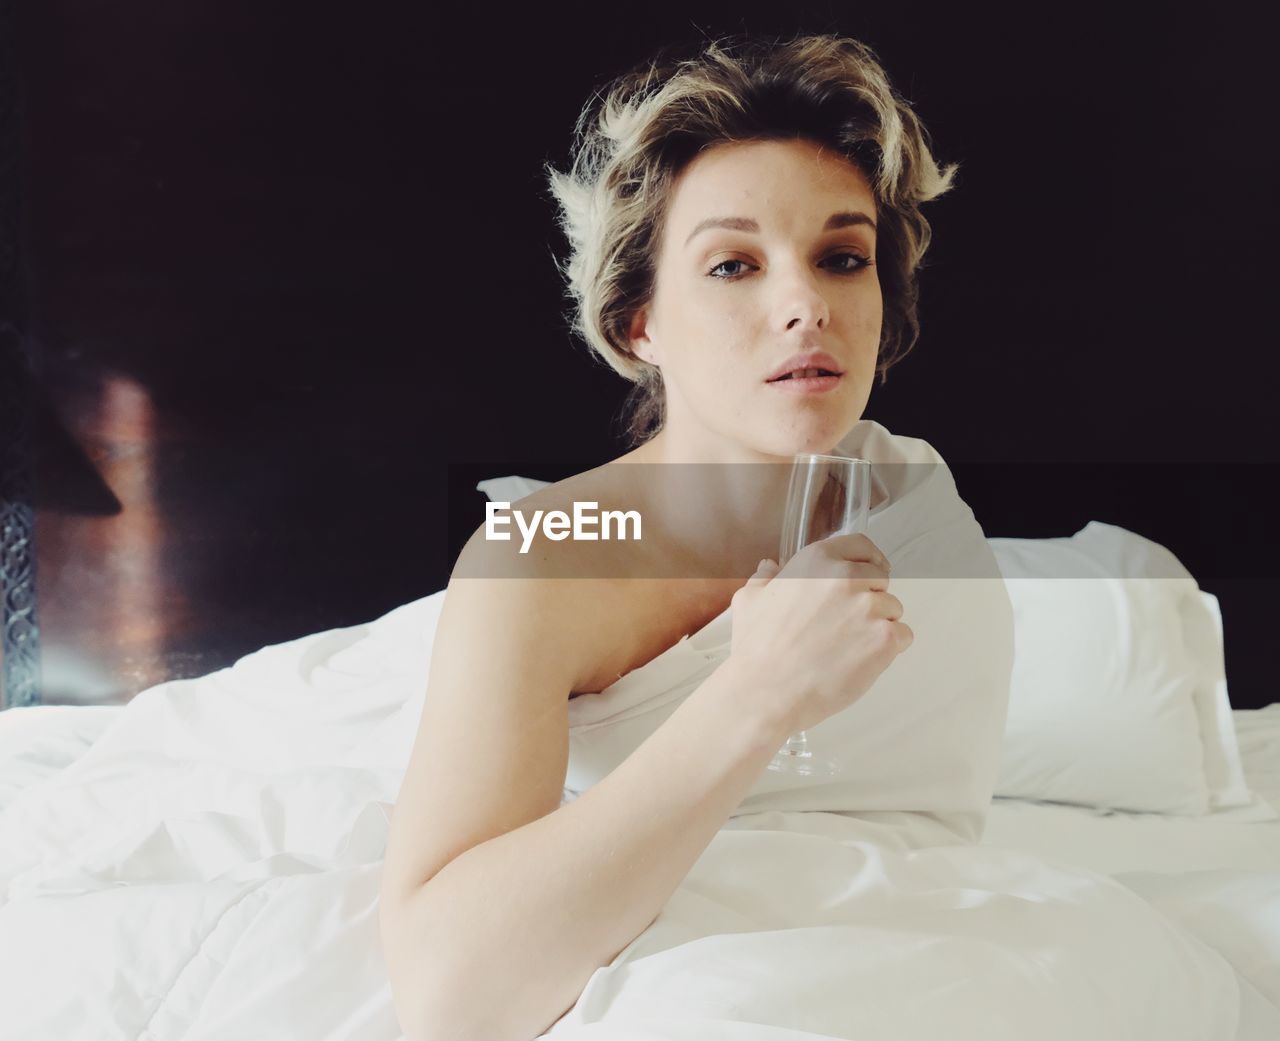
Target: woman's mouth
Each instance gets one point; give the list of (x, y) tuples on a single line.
[(807, 381)]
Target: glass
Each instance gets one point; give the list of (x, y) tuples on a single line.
[(827, 495)]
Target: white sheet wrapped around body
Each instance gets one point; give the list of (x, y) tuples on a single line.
[(919, 751)]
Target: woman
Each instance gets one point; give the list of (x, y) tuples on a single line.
[(734, 218)]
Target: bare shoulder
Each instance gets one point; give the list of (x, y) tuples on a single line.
[(600, 604), (531, 607)]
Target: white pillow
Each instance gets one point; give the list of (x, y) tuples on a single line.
[(1119, 691)]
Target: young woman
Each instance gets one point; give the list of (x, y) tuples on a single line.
[(736, 221)]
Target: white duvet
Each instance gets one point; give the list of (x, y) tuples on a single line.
[(209, 868)]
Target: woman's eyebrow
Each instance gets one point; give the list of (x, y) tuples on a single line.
[(845, 219)]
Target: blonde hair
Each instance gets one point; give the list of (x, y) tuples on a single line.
[(634, 138)]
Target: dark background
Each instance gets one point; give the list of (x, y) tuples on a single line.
[(289, 292)]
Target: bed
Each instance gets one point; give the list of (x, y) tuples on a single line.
[(204, 863)]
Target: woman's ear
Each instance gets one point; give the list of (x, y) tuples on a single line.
[(642, 345)]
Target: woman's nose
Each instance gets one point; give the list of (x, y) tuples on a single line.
[(801, 303)]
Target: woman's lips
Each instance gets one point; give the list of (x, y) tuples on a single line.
[(807, 384)]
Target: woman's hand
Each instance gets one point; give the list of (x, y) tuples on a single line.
[(810, 639)]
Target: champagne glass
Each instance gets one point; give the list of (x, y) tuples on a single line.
[(827, 495)]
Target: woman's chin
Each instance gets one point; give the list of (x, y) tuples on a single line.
[(820, 441), (788, 448), (818, 433)]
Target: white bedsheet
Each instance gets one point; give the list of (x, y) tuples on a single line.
[(204, 863)]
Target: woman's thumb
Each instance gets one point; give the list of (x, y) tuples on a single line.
[(765, 570)]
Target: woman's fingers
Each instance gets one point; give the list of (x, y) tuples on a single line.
[(855, 547)]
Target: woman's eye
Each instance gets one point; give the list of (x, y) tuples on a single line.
[(861, 262), (722, 263)]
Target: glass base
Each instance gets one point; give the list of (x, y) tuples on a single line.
[(797, 759), (796, 767)]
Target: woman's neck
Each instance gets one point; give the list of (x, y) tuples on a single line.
[(721, 515)]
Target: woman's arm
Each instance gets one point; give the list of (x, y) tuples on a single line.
[(501, 942)]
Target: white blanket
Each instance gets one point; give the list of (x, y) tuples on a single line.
[(209, 869), (805, 927)]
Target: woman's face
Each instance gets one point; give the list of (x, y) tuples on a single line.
[(732, 303)]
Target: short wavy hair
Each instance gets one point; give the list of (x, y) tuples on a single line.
[(633, 139)]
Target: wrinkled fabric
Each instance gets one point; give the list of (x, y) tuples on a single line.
[(920, 751)]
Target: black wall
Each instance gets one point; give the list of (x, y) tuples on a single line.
[(318, 238)]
